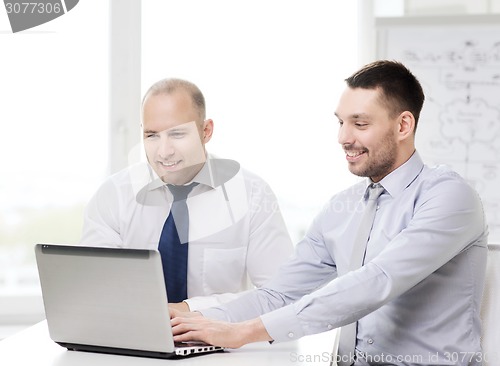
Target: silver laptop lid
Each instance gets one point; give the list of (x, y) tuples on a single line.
[(106, 297)]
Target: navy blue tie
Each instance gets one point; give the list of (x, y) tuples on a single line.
[(173, 246)]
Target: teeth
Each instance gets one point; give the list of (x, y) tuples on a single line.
[(353, 154), (169, 164)]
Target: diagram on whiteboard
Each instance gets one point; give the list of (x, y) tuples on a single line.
[(459, 68)]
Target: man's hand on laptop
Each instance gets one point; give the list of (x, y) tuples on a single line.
[(175, 313), (195, 327), (181, 306)]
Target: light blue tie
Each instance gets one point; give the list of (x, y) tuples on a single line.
[(347, 343)]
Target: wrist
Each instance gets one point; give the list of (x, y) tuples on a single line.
[(254, 331), (180, 306)]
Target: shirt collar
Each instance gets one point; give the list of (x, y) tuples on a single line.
[(398, 180)]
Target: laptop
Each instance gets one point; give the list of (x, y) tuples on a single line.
[(109, 300)]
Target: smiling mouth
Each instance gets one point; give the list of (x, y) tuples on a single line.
[(169, 164), (354, 154)]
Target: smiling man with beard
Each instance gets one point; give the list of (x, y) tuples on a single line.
[(408, 292)]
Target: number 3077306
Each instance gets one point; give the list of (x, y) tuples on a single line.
[(34, 8)]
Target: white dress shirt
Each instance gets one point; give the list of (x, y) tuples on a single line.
[(237, 236), (417, 296)]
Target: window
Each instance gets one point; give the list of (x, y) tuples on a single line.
[(53, 141)]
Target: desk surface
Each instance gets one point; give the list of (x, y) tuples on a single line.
[(33, 346)]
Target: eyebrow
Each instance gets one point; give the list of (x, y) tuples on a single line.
[(177, 129), (356, 116), (360, 116), (173, 129)]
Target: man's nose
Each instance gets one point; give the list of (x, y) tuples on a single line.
[(166, 148), (345, 136)]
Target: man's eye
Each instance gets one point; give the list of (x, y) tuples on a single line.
[(177, 135), (151, 135)]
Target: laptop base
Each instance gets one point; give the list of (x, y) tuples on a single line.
[(179, 352)]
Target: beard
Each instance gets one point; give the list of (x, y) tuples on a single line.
[(381, 160)]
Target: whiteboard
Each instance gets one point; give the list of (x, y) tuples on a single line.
[(457, 60)]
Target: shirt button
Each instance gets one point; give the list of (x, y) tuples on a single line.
[(291, 335), (330, 327), (370, 341)]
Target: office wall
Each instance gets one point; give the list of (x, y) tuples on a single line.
[(449, 7), (431, 7), (369, 10)]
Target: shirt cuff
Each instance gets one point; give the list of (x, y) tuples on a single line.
[(283, 324), (201, 302)]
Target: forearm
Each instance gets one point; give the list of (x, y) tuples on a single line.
[(218, 333), (249, 306)]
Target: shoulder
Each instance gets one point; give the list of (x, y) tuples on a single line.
[(249, 175), (256, 185), (442, 176), (442, 184)]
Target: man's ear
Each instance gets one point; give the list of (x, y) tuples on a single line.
[(406, 125), (207, 130)]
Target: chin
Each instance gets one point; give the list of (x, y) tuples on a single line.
[(357, 172), (170, 179)]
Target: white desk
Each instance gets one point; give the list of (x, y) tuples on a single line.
[(33, 346)]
